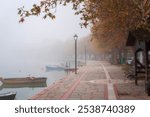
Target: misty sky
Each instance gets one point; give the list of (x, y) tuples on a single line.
[(36, 39)]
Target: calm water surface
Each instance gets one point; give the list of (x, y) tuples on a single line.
[(25, 92)]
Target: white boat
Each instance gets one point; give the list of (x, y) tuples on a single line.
[(54, 68)]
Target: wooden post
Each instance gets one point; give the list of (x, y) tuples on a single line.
[(135, 63), (146, 62), (85, 53), (147, 82)]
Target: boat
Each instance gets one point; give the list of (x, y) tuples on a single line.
[(23, 80), (8, 96), (54, 68), (70, 69), (1, 83), (20, 85)]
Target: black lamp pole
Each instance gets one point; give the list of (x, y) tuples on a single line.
[(85, 53), (75, 38)]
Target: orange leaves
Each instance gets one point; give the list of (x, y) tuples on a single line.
[(47, 7), (21, 20), (116, 16), (44, 7), (109, 18), (50, 15)]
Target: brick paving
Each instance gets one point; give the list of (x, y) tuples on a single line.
[(88, 84), (125, 88), (90, 87), (92, 82)]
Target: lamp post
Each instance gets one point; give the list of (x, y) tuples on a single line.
[(85, 53), (75, 38)]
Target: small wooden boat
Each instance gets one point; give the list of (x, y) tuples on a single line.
[(70, 69), (20, 85), (8, 96), (23, 80)]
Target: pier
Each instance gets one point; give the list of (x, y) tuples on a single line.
[(98, 80)]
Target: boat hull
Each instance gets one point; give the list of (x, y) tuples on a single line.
[(19, 85), (49, 68), (70, 69), (8, 96), (24, 80)]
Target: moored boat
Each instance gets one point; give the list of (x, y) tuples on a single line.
[(54, 68), (21, 85), (1, 83), (70, 69), (8, 96), (23, 80)]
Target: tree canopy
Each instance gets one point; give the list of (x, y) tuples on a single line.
[(110, 20)]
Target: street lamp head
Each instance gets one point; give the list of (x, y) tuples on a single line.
[(75, 37)]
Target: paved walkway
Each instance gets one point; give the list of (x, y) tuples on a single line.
[(96, 81)]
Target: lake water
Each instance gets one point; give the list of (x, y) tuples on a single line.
[(31, 68), (25, 92)]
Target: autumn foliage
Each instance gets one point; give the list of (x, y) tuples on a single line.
[(110, 20)]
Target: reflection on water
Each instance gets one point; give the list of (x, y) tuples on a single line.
[(25, 91)]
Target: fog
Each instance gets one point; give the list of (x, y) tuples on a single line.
[(36, 42)]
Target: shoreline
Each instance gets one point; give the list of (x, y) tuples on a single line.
[(90, 83)]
